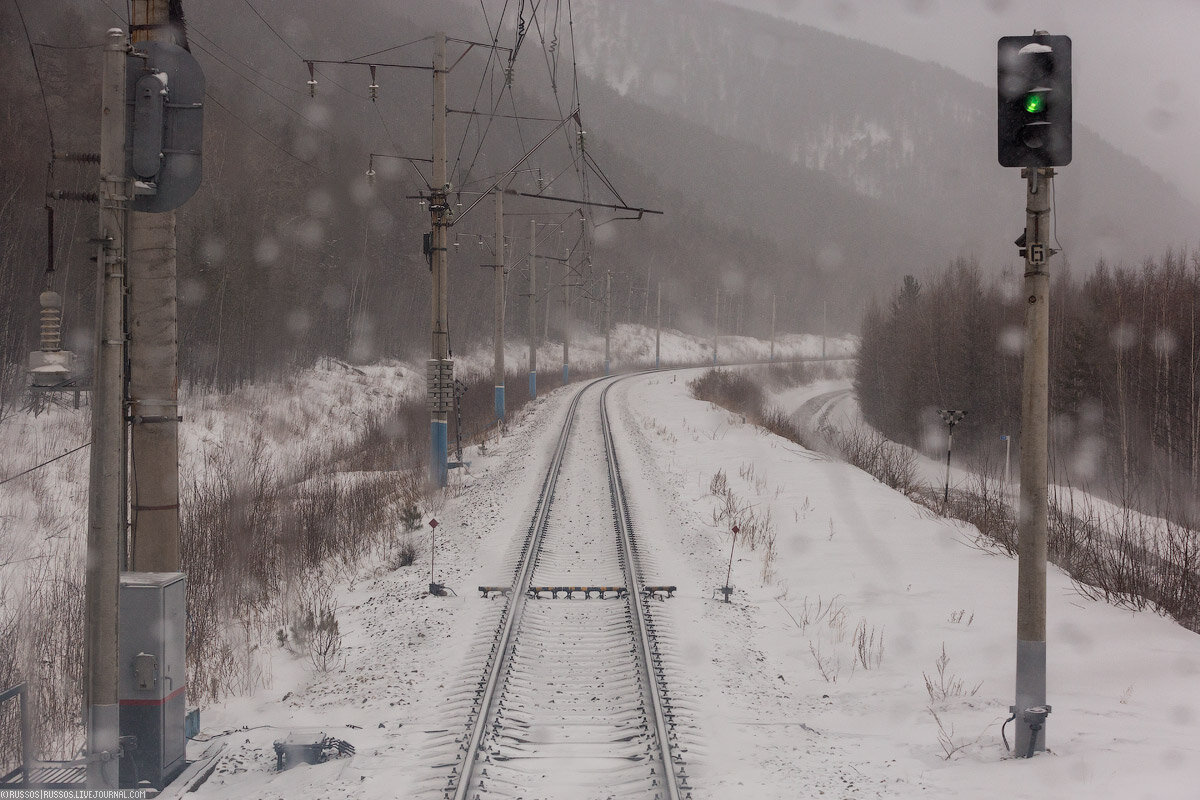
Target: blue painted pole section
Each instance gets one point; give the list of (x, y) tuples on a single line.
[(566, 374), (499, 402), (606, 367), (533, 386), (437, 467)]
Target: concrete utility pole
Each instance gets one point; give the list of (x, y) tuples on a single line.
[(658, 328), (549, 291), (772, 327), (607, 321), (153, 360), (716, 323), (646, 300), (1030, 708), (106, 491), (532, 310), (824, 330), (566, 315), (500, 274), (1007, 460), (441, 370)]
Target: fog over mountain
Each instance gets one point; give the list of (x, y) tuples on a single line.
[(788, 162), (1132, 62), (914, 135)]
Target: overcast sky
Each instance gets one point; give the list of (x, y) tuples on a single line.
[(1136, 63)]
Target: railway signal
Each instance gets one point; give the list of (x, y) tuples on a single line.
[(1033, 101), (1034, 132)]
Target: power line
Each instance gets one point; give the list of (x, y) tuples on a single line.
[(551, 68), (579, 161), (296, 53), (44, 463), (513, 100), (394, 47), (264, 137), (234, 56), (475, 104), (272, 29), (388, 134), (114, 12), (41, 84), (503, 116), (49, 46), (600, 173), (216, 58), (350, 92)]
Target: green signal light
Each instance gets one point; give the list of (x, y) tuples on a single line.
[(1035, 103)]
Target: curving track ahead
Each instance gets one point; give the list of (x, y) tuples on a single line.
[(573, 702)]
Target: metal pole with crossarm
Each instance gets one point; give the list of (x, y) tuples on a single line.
[(500, 272), (532, 309), (441, 370), (1007, 453), (106, 494)]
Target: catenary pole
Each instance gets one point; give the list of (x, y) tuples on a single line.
[(441, 374), (716, 323), (549, 295), (646, 300), (607, 321), (1030, 706), (566, 313), (106, 492), (1007, 460), (500, 273), (153, 361), (658, 328), (532, 309), (772, 327), (949, 446), (824, 333)]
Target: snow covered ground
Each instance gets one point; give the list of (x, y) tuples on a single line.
[(786, 696), (820, 679), (794, 712)]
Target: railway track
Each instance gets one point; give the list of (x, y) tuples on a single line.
[(573, 700)]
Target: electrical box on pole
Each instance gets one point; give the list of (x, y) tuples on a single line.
[(1033, 83), (165, 114), (152, 677)]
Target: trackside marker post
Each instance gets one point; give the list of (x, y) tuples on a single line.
[(436, 589), (727, 590)]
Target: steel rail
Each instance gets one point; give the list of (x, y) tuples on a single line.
[(515, 602), (490, 696), (637, 600)]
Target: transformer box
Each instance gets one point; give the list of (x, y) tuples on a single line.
[(152, 682)]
